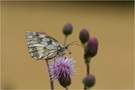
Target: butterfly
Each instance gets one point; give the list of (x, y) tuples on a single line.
[(42, 46)]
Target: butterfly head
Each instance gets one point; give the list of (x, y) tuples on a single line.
[(66, 47)]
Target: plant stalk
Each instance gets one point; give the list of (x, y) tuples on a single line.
[(88, 69), (66, 88), (51, 81), (87, 62), (65, 40)]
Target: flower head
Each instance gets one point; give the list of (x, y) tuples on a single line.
[(62, 69), (89, 80), (84, 36), (92, 47), (67, 30)]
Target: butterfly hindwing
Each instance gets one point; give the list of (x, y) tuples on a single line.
[(41, 46)]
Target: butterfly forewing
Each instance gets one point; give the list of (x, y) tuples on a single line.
[(41, 46)]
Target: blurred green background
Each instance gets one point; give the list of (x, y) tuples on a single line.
[(111, 22)]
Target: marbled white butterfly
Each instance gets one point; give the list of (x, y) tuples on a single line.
[(42, 46)]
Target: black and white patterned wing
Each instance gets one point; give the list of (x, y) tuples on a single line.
[(41, 46)]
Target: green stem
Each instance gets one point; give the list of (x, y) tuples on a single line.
[(87, 62), (85, 88), (88, 68), (65, 40), (66, 88), (51, 81)]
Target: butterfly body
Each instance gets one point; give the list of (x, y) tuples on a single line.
[(42, 46)]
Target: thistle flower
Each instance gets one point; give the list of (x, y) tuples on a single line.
[(67, 30), (89, 80), (62, 69), (92, 47), (84, 36)]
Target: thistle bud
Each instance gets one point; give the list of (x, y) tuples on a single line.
[(84, 36), (67, 30), (65, 82), (92, 47), (89, 81)]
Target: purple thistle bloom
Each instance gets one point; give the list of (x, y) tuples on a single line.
[(62, 69), (62, 66)]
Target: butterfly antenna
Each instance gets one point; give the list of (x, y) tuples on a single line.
[(73, 43)]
